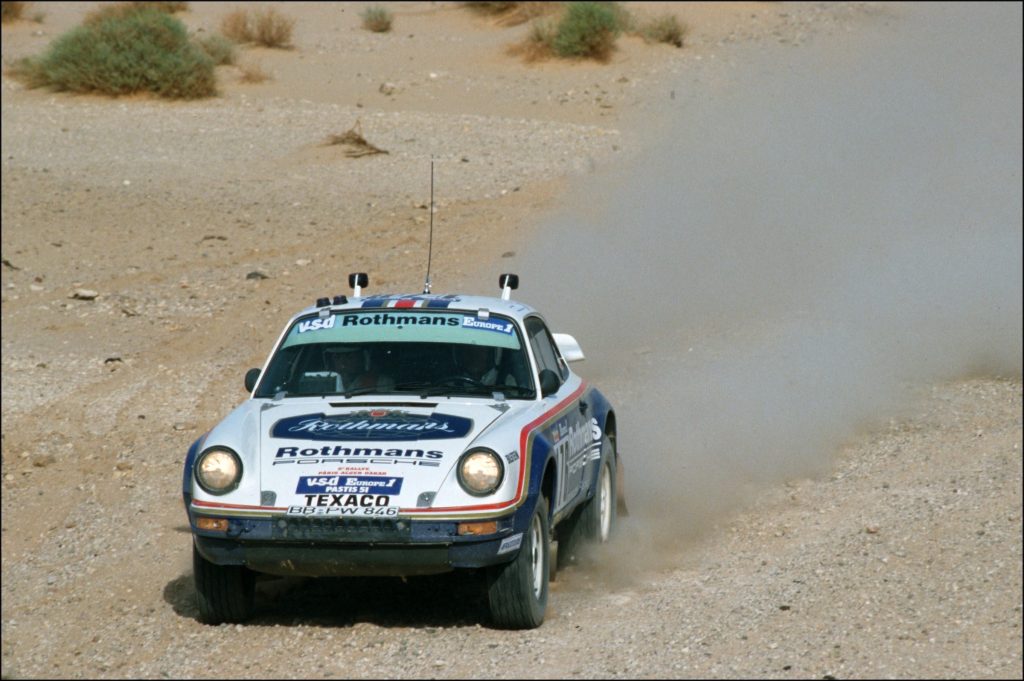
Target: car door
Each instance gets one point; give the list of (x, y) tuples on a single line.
[(569, 430)]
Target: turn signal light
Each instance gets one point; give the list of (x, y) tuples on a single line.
[(490, 527), (212, 524)]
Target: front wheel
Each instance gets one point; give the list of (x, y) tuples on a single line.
[(224, 593), (518, 591)]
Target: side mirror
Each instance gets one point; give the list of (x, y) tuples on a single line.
[(567, 345), (549, 383), (251, 376)]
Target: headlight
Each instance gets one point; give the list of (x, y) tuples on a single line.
[(480, 472), (218, 470)]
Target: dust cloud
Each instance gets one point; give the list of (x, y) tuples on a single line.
[(838, 225)]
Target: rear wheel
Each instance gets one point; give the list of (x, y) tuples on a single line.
[(224, 593), (599, 515), (518, 591)]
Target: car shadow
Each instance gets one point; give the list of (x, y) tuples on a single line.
[(449, 600)]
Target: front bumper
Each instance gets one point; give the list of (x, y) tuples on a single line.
[(334, 547)]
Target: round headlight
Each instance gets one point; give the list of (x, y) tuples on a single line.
[(480, 472), (218, 471)]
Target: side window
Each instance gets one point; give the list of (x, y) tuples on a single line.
[(543, 347)]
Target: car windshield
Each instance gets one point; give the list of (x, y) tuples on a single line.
[(415, 352)]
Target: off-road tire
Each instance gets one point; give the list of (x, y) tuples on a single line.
[(517, 591), (224, 593), (597, 522)]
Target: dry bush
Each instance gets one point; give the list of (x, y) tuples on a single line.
[(354, 142), (268, 27), (273, 29), (663, 29), (11, 11), (537, 44), (235, 26), (253, 73)]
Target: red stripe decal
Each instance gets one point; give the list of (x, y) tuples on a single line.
[(524, 437), (405, 303)]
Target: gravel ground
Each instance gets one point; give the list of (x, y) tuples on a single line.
[(903, 560)]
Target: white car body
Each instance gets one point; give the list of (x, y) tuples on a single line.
[(371, 481)]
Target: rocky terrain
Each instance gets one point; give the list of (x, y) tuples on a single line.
[(152, 251)]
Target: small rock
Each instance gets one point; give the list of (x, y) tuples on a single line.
[(71, 524), (387, 88), (508, 254), (36, 287), (256, 274), (302, 262), (84, 294), (123, 465), (112, 359), (180, 425), (51, 579), (871, 529), (43, 460)]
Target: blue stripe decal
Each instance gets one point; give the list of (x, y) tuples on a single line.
[(374, 302), (439, 303)]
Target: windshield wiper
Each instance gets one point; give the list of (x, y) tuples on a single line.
[(512, 390), (362, 391), (429, 389)]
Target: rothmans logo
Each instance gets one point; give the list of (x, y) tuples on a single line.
[(374, 424)]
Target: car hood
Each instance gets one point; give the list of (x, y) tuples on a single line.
[(403, 452)]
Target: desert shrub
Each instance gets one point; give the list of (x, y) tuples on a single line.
[(217, 48), (11, 11), (663, 29), (121, 53), (123, 9), (376, 19), (253, 73), (588, 29), (537, 44), (268, 27)]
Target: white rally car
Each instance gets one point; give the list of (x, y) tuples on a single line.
[(405, 435)]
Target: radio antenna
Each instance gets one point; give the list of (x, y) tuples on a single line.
[(430, 242)]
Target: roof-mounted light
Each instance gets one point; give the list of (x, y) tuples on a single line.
[(357, 280), (340, 299), (507, 282), (323, 302)]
